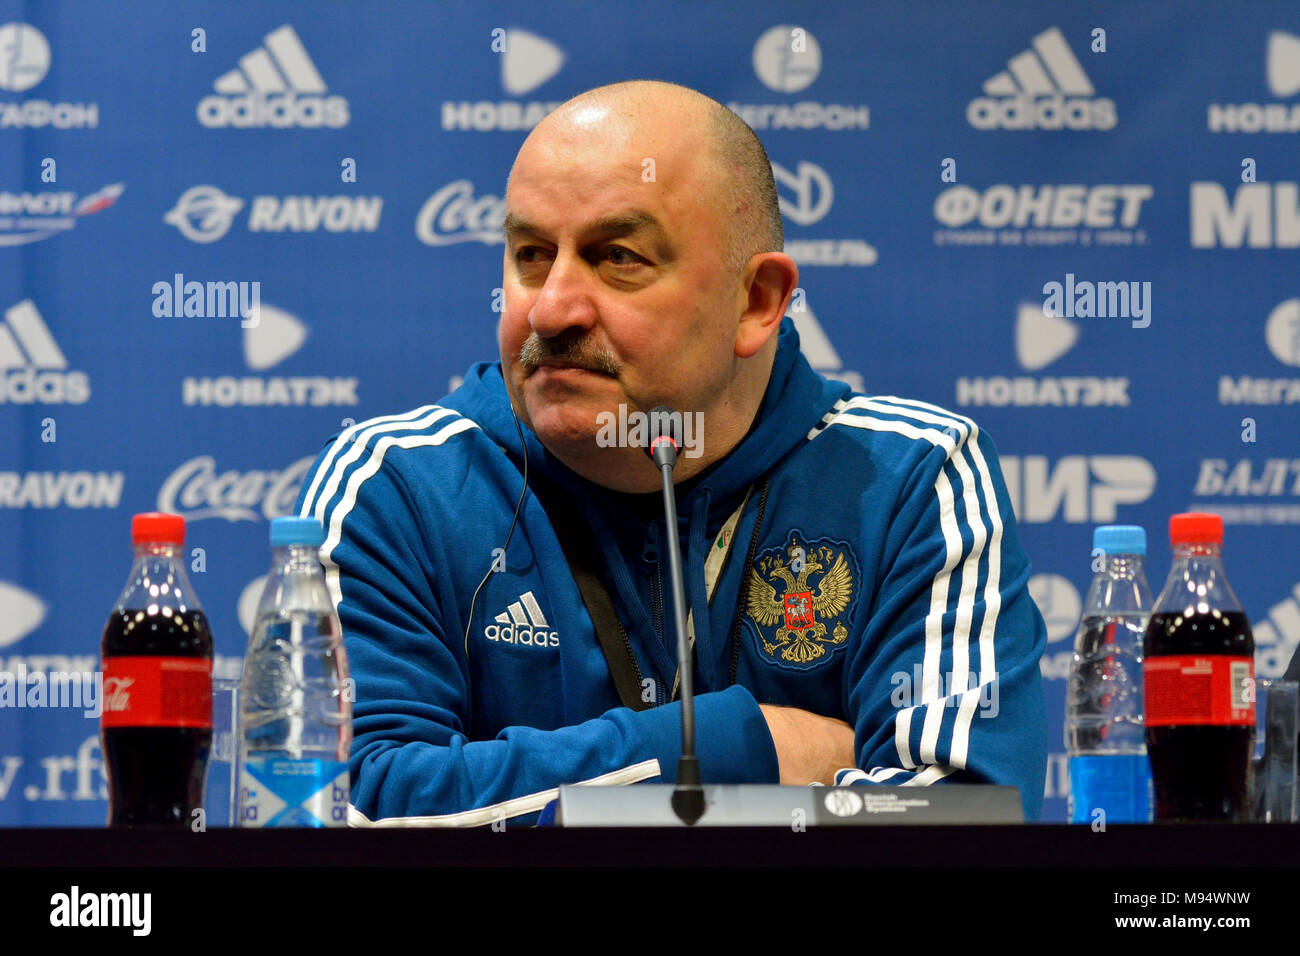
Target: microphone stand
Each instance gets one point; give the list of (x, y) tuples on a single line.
[(688, 797), (767, 805)]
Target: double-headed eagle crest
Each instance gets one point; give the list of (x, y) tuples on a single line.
[(802, 611)]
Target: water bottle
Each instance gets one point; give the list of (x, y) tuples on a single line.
[(1105, 734), (295, 719)]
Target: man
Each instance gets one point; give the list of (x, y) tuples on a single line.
[(855, 583)]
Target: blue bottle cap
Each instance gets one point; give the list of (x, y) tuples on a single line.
[(1120, 539), (286, 531)]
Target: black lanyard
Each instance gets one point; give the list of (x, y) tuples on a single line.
[(579, 545)]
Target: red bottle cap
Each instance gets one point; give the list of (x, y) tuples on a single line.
[(155, 527), (1196, 527)]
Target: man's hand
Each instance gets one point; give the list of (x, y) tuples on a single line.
[(809, 748)]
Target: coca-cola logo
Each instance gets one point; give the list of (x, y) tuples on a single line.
[(116, 697), (452, 215), (196, 491)]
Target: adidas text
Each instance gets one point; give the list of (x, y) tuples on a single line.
[(255, 110), (29, 386), (275, 85), (1043, 87), (523, 622), (1050, 112), (511, 634)]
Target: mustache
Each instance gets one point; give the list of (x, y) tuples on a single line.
[(570, 347)]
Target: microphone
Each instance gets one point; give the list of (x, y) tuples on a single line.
[(663, 449), (754, 804)]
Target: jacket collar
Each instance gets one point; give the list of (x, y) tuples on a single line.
[(795, 400)]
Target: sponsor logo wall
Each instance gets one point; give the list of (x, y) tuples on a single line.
[(1055, 222)]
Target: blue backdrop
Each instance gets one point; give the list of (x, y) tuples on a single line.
[(342, 166)]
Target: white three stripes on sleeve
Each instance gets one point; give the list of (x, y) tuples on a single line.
[(985, 524), (352, 445), (356, 441), (353, 441)]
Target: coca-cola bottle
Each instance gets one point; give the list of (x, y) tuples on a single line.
[(156, 724), (1199, 682)]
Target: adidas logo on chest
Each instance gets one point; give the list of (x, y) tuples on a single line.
[(523, 622)]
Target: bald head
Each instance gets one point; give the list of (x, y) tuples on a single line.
[(643, 266), (739, 182)]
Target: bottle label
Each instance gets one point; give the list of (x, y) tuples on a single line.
[(1119, 785), (157, 692), (1202, 689), (281, 792)]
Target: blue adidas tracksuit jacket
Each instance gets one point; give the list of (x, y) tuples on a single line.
[(886, 569)]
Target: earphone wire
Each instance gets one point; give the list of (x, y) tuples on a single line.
[(523, 445)]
